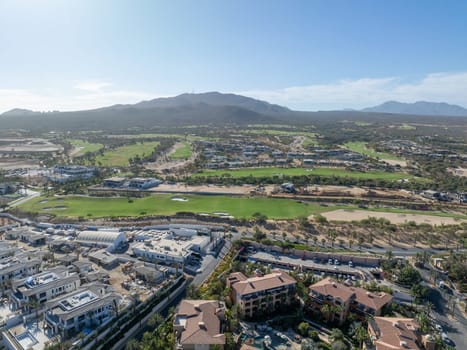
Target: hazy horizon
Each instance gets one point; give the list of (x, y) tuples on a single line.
[(305, 55)]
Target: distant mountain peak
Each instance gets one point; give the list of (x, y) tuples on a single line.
[(419, 108), (213, 98), (20, 111)]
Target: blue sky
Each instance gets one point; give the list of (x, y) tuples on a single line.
[(312, 55)]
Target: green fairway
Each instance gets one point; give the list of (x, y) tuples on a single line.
[(363, 124), (406, 127), (85, 147), (183, 152), (324, 172), (121, 155), (361, 147), (162, 204), (156, 135)]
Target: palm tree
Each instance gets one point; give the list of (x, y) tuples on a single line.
[(428, 308), (336, 334), (132, 344), (326, 311), (389, 254), (155, 320), (360, 336), (350, 243), (315, 240)]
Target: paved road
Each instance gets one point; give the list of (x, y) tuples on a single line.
[(30, 194), (453, 323), (210, 263)]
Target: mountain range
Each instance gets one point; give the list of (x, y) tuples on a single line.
[(207, 108), (419, 108)]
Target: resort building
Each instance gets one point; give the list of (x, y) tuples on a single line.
[(88, 307), (168, 248), (143, 183), (39, 288), (114, 182), (64, 173), (199, 325), (111, 240), (393, 333), (342, 300), (12, 268), (261, 293)]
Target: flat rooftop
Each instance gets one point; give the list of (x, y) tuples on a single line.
[(77, 300), (33, 282)]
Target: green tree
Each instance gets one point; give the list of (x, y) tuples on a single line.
[(303, 329), (389, 254), (132, 344), (155, 320), (360, 335), (408, 276)]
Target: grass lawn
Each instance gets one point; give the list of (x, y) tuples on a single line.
[(183, 152), (162, 204), (282, 132), (363, 123), (406, 127), (121, 155), (325, 172), (361, 147), (154, 135), (85, 147)]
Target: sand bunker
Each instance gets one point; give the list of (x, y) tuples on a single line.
[(396, 218)]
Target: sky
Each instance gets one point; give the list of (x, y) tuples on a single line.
[(306, 55)]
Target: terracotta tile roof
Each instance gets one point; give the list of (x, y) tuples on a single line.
[(393, 333), (256, 284), (374, 300), (328, 286), (201, 322)]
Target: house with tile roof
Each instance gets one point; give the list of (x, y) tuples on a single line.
[(260, 293), (199, 325), (394, 333), (343, 300)]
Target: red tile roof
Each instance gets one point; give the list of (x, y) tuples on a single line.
[(256, 284), (201, 322), (393, 333), (374, 300)]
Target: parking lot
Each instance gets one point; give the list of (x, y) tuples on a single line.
[(330, 266)]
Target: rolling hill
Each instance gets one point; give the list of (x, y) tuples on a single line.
[(419, 108)]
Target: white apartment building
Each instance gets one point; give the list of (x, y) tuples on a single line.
[(90, 306), (39, 288)]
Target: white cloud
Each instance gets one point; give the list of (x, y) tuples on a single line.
[(91, 85), (19, 98), (360, 93)]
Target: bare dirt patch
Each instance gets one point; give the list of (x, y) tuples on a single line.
[(402, 163), (396, 218), (207, 189), (462, 172)]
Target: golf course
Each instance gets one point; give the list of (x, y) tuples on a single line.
[(324, 172), (165, 204)]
